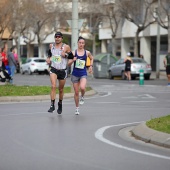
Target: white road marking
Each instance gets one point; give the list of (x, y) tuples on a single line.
[(146, 96), (99, 135)]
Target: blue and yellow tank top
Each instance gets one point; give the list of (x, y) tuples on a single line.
[(79, 67)]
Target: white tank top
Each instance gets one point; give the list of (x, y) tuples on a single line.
[(57, 61)]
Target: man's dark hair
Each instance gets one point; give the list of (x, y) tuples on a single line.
[(58, 34), (12, 48)]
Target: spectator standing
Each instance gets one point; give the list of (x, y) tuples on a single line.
[(0, 58), (5, 59), (4, 76), (17, 60), (128, 61), (12, 63), (167, 66)]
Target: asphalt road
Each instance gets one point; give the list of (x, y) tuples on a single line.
[(98, 139)]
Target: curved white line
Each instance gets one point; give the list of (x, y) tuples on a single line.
[(99, 136)]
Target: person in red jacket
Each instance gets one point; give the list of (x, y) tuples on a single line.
[(5, 59)]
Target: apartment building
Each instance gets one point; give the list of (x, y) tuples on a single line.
[(125, 40)]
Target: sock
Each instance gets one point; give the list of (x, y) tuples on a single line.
[(60, 101), (52, 102)]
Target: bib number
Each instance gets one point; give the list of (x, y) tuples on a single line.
[(80, 64), (56, 59)]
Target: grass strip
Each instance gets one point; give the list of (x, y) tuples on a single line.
[(161, 124), (13, 90)]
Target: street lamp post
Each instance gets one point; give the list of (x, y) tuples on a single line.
[(74, 24), (158, 45), (18, 48)]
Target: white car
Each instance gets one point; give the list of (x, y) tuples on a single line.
[(33, 65)]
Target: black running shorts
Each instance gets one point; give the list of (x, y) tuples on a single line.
[(61, 74), (168, 69), (127, 69)]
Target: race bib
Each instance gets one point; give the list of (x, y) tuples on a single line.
[(56, 59), (80, 64)]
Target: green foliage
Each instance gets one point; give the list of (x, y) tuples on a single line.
[(12, 90), (160, 124)]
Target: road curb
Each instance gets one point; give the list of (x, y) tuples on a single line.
[(142, 132), (40, 97)]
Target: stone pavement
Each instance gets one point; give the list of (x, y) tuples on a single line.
[(162, 75)]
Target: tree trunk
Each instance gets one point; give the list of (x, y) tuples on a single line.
[(136, 52), (94, 44), (169, 38), (113, 46)]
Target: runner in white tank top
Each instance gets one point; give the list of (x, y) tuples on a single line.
[(58, 57)]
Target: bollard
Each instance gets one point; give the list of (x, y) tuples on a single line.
[(141, 77)]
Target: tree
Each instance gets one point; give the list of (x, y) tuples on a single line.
[(114, 16), (42, 22), (163, 17), (139, 13), (5, 16), (34, 20), (92, 12)]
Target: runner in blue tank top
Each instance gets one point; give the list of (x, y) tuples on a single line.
[(79, 73)]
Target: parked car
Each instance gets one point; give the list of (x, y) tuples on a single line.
[(17, 68), (33, 65), (117, 69)]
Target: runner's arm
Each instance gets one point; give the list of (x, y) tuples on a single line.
[(49, 54), (165, 62), (71, 61)]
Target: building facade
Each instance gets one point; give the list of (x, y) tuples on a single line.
[(125, 41)]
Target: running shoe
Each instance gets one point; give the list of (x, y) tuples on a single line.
[(77, 112), (59, 110), (81, 100), (52, 108)]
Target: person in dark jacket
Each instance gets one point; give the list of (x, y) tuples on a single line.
[(12, 63)]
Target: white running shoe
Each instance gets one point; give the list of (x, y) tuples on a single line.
[(81, 100), (77, 112)]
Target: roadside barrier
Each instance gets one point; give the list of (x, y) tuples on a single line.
[(141, 77)]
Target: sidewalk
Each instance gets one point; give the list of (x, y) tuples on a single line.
[(142, 132), (162, 75)]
